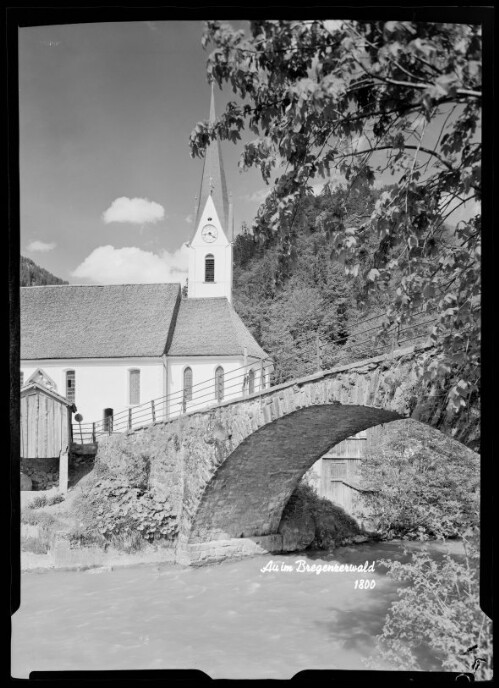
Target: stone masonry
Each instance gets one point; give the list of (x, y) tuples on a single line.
[(230, 470)]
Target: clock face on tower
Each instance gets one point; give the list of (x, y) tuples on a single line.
[(209, 233)]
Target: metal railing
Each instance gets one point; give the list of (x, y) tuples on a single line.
[(234, 384), (253, 378)]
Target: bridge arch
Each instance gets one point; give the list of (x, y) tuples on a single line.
[(229, 470), (248, 493)]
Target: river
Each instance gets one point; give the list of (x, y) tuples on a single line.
[(231, 620)]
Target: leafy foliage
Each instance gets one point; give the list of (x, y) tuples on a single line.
[(354, 99), (118, 505), (32, 275), (437, 612), (301, 307), (423, 486)]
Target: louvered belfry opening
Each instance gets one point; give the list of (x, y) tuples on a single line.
[(209, 268)]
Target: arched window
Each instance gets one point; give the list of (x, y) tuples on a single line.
[(209, 268), (70, 386), (134, 386), (251, 382), (187, 384), (219, 383)]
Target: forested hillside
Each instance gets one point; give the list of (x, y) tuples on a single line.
[(297, 300), (32, 275)]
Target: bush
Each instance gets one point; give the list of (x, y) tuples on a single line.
[(422, 486), (55, 499), (38, 502), (37, 518), (35, 544), (438, 612), (118, 508)]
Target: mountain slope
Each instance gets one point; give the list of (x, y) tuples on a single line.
[(32, 275)]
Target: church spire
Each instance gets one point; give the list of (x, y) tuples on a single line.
[(213, 180)]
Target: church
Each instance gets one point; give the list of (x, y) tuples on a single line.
[(124, 346)]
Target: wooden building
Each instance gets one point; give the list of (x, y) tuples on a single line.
[(46, 426), (336, 476)]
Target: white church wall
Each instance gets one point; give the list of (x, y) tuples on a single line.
[(203, 381), (104, 383)]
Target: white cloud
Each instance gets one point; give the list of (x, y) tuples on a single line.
[(190, 219), (41, 246), (461, 212), (131, 265), (257, 196), (135, 210)]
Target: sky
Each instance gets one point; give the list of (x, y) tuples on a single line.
[(107, 182)]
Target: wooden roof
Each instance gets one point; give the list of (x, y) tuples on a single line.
[(34, 387), (211, 327), (111, 321)]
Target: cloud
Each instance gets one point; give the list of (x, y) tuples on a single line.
[(41, 246), (135, 210), (257, 196), (190, 219), (131, 265), (461, 212)]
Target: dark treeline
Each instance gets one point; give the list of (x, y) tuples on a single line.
[(32, 275), (296, 299)]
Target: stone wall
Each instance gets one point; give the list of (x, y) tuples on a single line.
[(230, 470)]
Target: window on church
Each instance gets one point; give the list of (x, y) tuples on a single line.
[(22, 378), (134, 387), (219, 383), (251, 382), (70, 386), (187, 385), (209, 268)]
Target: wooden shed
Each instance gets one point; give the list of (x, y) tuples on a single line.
[(46, 429)]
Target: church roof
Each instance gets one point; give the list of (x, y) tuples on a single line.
[(213, 179), (211, 327), (112, 321)]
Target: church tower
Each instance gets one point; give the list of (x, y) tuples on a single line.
[(210, 262)]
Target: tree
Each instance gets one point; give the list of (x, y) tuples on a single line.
[(357, 98)]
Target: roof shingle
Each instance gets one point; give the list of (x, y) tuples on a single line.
[(211, 327), (111, 321)]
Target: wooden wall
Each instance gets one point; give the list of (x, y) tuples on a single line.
[(45, 426)]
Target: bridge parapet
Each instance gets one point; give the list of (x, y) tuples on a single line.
[(230, 470)]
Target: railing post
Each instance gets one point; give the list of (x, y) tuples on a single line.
[(129, 418), (153, 411), (93, 433)]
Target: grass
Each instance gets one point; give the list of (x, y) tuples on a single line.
[(37, 518), (37, 545)]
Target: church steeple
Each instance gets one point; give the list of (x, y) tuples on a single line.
[(210, 263), (213, 180)]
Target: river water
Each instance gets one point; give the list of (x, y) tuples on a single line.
[(231, 620)]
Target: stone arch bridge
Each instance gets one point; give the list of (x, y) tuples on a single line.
[(229, 471)]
